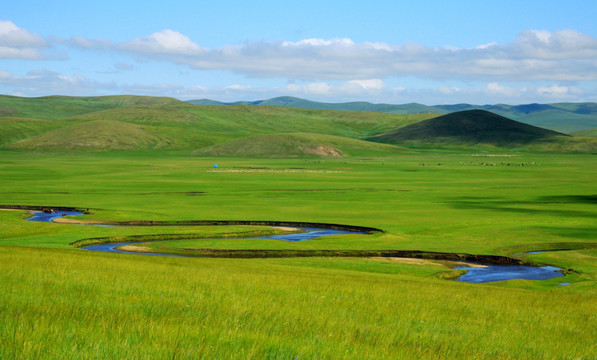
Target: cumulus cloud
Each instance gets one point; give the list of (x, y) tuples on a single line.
[(563, 44), (496, 89), (565, 55), (558, 91), (319, 42), (44, 82), (84, 43), (353, 89), (238, 87), (317, 88), (370, 84), (17, 43), (165, 42), (337, 68)]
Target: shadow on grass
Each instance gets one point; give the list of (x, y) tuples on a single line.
[(569, 199), (538, 207)]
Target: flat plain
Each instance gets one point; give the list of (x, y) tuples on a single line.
[(62, 302), (125, 158)]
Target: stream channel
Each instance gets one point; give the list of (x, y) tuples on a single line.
[(486, 273)]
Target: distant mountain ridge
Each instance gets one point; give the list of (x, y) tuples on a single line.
[(136, 123), (563, 117)]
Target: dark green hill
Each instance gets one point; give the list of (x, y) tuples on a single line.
[(468, 127)]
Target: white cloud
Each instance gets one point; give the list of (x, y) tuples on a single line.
[(13, 36), (336, 68), (370, 84), (319, 42), (239, 87), (84, 43), (486, 46), (563, 44), (353, 89), (448, 90), (558, 91), (564, 55), (535, 55), (45, 82), (318, 88), (164, 42), (496, 89), (17, 43)]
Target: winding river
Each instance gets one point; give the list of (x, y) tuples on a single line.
[(475, 274)]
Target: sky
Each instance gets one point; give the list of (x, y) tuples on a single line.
[(430, 52)]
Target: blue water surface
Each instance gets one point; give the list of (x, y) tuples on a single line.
[(488, 273)]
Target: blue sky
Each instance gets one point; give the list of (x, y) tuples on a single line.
[(431, 52)]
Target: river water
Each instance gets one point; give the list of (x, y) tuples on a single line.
[(487, 273)]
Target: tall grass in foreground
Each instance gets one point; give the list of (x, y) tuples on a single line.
[(75, 304)]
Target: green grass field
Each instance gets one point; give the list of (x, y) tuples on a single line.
[(58, 301)]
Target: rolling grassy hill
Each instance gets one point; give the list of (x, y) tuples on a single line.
[(289, 101), (146, 123), (300, 145), (126, 123), (95, 135), (469, 127), (59, 107), (15, 129), (586, 133), (564, 117)]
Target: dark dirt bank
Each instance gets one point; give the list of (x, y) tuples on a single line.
[(416, 254), (241, 253)]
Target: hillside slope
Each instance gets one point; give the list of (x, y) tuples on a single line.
[(60, 107), (94, 135), (564, 117), (300, 145), (468, 127), (141, 123)]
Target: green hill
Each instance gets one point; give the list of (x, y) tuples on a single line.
[(560, 120), (60, 107), (564, 117), (109, 123), (13, 129), (94, 135), (141, 123), (289, 101), (299, 145), (468, 127), (586, 133)]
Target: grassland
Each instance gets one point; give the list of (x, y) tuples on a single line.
[(152, 159), (62, 302), (94, 124)]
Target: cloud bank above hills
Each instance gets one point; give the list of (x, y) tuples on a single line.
[(537, 65)]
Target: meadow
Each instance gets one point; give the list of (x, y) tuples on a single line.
[(62, 302)]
